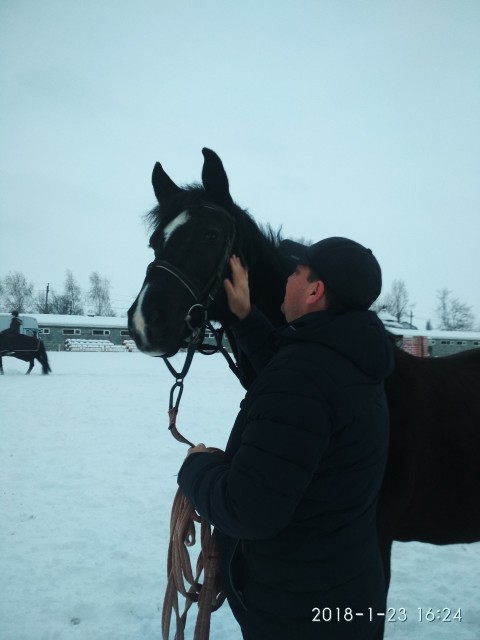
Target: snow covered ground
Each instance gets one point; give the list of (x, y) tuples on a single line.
[(87, 479)]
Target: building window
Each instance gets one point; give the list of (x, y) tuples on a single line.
[(100, 332), (44, 330), (71, 332), (124, 332), (476, 343)]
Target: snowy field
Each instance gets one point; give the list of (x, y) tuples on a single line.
[(87, 474)]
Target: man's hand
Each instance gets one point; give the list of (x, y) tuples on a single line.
[(237, 290), (200, 448)]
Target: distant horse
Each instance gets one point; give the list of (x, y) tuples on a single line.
[(431, 488), (24, 348)]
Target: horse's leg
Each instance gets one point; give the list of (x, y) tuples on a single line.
[(1, 366), (385, 544), (32, 363), (43, 360), (386, 551), (386, 516)]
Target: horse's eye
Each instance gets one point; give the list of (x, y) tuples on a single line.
[(210, 234)]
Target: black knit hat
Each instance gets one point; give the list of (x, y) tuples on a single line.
[(346, 267)]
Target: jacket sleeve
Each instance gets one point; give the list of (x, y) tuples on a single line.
[(254, 495), (253, 335)]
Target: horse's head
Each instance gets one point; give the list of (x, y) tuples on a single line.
[(193, 237)]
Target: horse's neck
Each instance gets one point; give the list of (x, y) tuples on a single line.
[(267, 286), (266, 293), (268, 270), (267, 276)]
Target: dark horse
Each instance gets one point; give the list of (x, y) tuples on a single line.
[(24, 348), (431, 489)]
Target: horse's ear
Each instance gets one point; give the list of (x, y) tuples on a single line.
[(163, 185), (215, 179)]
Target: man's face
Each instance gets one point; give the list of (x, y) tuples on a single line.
[(296, 294)]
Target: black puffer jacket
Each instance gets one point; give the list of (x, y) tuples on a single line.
[(295, 495)]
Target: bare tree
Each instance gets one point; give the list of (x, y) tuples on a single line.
[(67, 303), (453, 315), (40, 304), (396, 301), (60, 304), (17, 292), (99, 295), (73, 293)]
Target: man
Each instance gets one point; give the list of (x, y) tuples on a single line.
[(294, 498)]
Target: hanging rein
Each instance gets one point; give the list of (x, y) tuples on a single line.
[(209, 595)]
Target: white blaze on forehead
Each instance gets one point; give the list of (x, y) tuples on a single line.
[(175, 224)]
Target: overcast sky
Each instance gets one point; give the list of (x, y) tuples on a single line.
[(332, 117)]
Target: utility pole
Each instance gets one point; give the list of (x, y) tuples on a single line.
[(46, 297)]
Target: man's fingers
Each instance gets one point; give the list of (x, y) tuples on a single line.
[(228, 287)]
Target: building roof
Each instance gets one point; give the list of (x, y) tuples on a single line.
[(435, 334), (387, 319), (55, 320)]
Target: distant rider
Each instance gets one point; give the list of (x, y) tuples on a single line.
[(13, 330)]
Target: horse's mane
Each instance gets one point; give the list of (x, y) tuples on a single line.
[(260, 242)]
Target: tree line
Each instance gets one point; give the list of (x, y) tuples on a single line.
[(17, 293), (452, 314)]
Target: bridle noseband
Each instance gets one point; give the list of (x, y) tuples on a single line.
[(201, 303)]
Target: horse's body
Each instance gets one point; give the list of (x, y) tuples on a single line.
[(431, 489), (24, 348)]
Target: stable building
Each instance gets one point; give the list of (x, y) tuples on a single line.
[(434, 342), (55, 329)]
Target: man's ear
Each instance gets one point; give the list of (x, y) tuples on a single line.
[(316, 295)]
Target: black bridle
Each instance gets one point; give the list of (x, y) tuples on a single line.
[(196, 319), (202, 298)]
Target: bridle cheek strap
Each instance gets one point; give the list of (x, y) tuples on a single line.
[(202, 299)]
